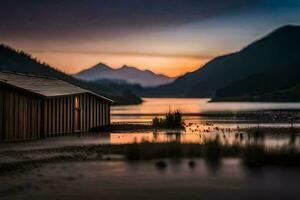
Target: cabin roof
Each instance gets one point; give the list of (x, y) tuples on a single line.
[(43, 86)]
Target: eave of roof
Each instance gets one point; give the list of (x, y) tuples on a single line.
[(46, 87)]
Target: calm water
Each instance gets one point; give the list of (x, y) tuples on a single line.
[(201, 127), (193, 109), (142, 180)]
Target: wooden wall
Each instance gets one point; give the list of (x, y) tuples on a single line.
[(19, 115), (60, 114), (25, 116)]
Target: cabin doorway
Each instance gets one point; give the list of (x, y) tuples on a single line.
[(77, 113)]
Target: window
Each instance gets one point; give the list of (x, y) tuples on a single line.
[(76, 102), (77, 113)]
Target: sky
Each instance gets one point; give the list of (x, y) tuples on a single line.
[(170, 37)]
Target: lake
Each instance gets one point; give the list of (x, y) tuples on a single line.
[(206, 120), (194, 109)]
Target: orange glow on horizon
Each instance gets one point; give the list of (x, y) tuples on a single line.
[(74, 62)]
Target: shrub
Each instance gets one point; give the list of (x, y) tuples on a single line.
[(171, 120)]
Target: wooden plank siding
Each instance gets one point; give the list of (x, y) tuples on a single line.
[(95, 111), (44, 119), (92, 113), (101, 114), (24, 116), (107, 114), (18, 116)]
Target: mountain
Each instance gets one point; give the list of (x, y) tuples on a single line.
[(131, 75), (275, 85), (19, 61), (274, 52)]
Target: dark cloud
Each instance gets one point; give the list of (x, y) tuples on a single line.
[(75, 18)]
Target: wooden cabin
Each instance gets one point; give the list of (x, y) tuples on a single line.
[(33, 107)]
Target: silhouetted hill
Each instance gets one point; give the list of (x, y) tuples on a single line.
[(19, 61), (131, 75), (276, 51), (274, 85)]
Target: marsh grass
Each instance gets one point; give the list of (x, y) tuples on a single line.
[(252, 155), (257, 156), (212, 149)]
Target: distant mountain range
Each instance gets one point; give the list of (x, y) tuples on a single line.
[(128, 74), (260, 71), (18, 61), (266, 70)]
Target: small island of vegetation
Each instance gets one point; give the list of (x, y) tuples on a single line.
[(172, 120)]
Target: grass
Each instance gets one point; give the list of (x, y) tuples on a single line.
[(252, 155), (257, 156), (210, 150)]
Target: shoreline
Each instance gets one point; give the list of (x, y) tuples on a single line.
[(40, 154), (252, 155)]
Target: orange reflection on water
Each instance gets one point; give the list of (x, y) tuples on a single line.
[(164, 137), (269, 141)]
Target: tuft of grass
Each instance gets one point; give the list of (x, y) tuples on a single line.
[(172, 120), (212, 149)]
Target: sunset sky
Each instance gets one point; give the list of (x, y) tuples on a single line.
[(166, 36)]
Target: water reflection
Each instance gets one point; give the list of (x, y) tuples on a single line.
[(197, 105), (199, 128), (269, 140), (213, 165)]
